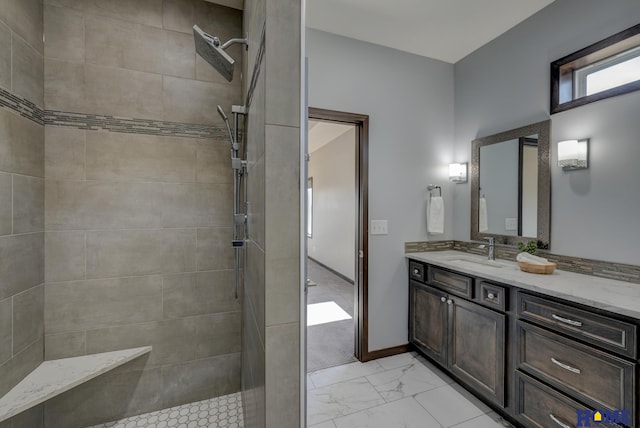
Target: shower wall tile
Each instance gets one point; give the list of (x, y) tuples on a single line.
[(283, 375), (113, 156), (254, 289), (23, 363), (31, 418), (214, 161), (255, 196), (64, 29), (214, 251), (147, 12), (5, 203), (218, 334), (21, 145), (65, 256), (282, 282), (5, 56), (64, 153), (21, 263), (92, 304), (178, 15), (102, 205), (64, 85), (121, 253), (28, 204), (189, 101), (198, 293), (282, 194), (28, 310), (64, 345), (123, 92), (6, 329), (197, 380), (197, 205), (283, 66), (108, 43), (25, 19), (96, 401), (27, 71), (173, 341)]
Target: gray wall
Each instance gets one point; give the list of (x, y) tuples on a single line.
[(138, 222), (505, 84), (333, 241), (271, 363), (409, 100), (21, 198)]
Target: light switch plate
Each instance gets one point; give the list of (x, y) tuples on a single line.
[(379, 227), (510, 224)]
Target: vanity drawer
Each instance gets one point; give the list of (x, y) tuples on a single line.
[(417, 270), (608, 333), (451, 282), (599, 379), (539, 406), (492, 295)]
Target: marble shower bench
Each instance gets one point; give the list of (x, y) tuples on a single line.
[(54, 377)]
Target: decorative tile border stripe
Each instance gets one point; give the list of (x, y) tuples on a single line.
[(599, 268), (21, 106), (100, 122)]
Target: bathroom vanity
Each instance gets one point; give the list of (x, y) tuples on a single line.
[(539, 348)]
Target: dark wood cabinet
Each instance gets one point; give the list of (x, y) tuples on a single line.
[(477, 348), (537, 359), (464, 337)]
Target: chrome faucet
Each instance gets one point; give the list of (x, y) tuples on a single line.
[(492, 248)]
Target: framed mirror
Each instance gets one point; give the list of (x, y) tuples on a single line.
[(511, 186)]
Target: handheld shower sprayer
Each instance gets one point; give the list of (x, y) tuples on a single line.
[(234, 144)]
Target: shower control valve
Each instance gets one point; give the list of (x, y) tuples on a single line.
[(240, 218)]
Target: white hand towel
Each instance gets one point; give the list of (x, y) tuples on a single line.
[(530, 258), (483, 222), (435, 215)]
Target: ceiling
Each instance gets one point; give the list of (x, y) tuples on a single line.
[(447, 30), (321, 133)]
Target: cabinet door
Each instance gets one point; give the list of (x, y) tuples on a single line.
[(477, 353), (428, 321)]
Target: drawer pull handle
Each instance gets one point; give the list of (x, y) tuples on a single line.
[(566, 320), (565, 366), (558, 421)]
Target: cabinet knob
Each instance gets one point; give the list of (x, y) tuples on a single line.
[(491, 296), (416, 271), (443, 299), (449, 302)]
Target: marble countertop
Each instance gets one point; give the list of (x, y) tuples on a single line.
[(54, 377), (607, 294)]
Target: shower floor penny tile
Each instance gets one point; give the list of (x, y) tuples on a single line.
[(219, 412)]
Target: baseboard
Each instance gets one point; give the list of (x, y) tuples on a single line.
[(386, 352), (336, 273)]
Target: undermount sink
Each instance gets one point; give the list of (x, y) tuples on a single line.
[(474, 261)]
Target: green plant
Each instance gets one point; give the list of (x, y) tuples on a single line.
[(530, 247)]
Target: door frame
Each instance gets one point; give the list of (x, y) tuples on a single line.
[(361, 122)]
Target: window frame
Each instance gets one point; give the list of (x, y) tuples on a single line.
[(563, 69)]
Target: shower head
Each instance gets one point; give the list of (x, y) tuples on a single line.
[(222, 114), (226, 122), (209, 48)]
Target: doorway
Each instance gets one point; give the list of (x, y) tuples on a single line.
[(337, 213)]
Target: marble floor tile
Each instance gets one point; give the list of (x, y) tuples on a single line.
[(396, 361), (405, 381), (449, 406), (404, 413), (330, 402), (483, 421), (344, 372), (327, 424)]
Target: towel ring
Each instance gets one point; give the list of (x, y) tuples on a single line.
[(432, 187)]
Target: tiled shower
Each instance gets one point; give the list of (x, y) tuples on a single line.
[(116, 200)]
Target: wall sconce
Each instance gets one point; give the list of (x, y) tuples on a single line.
[(458, 172), (573, 154)]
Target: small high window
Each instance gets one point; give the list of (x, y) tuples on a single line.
[(605, 69)]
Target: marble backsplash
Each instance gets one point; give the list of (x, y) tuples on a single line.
[(603, 269)]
